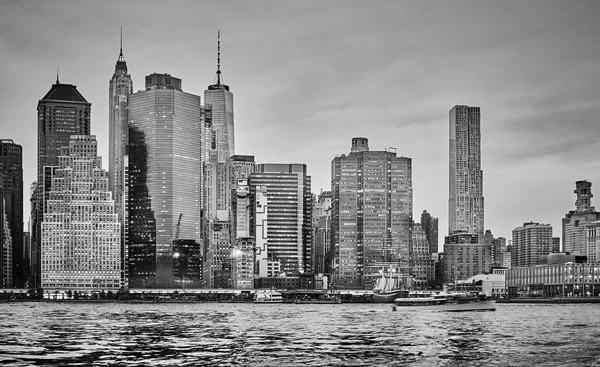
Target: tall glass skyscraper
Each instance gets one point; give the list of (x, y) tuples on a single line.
[(371, 214), (164, 179), (81, 234), (465, 203), (119, 88), (11, 182), (221, 100)]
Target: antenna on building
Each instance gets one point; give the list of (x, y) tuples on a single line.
[(57, 82), (121, 58), (219, 57)]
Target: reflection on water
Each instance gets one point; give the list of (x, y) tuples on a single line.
[(294, 335)]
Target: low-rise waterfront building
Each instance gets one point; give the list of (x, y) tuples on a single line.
[(563, 279)]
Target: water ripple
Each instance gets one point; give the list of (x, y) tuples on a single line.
[(77, 334)]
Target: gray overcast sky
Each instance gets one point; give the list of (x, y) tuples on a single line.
[(307, 76)]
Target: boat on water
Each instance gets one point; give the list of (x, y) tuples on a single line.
[(387, 289), (267, 296), (328, 300), (444, 301)]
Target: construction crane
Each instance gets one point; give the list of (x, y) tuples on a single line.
[(178, 226)]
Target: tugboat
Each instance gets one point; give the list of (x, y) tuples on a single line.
[(267, 296), (444, 301)]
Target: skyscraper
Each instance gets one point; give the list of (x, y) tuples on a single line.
[(62, 112), (218, 146), (164, 179), (221, 99), (6, 244), (289, 202), (81, 234), (119, 88), (321, 232), (11, 171), (422, 264), (465, 203), (429, 224), (371, 214)]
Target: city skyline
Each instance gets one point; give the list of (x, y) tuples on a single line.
[(531, 69)]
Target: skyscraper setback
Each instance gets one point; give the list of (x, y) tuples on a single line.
[(119, 88), (465, 203), (81, 234), (62, 112)]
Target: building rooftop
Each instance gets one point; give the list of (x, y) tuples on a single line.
[(64, 92)]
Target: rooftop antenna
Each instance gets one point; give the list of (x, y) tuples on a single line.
[(121, 58), (57, 82), (219, 57)]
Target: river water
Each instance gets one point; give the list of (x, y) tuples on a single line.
[(221, 334)]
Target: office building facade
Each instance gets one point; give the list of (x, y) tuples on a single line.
[(164, 178), (289, 215), (322, 232), (465, 256), (81, 233), (6, 244), (62, 112), (371, 214), (11, 181), (429, 224)]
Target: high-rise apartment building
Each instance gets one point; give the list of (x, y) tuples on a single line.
[(371, 214), (120, 87), (220, 99), (575, 222), (529, 242), (429, 224), (465, 203), (81, 234), (62, 112), (11, 181), (289, 215), (164, 179), (465, 251)]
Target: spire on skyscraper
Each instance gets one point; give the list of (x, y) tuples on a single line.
[(121, 50), (57, 82), (219, 57), (121, 65), (218, 84)]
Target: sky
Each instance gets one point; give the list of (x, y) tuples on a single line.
[(308, 76)]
